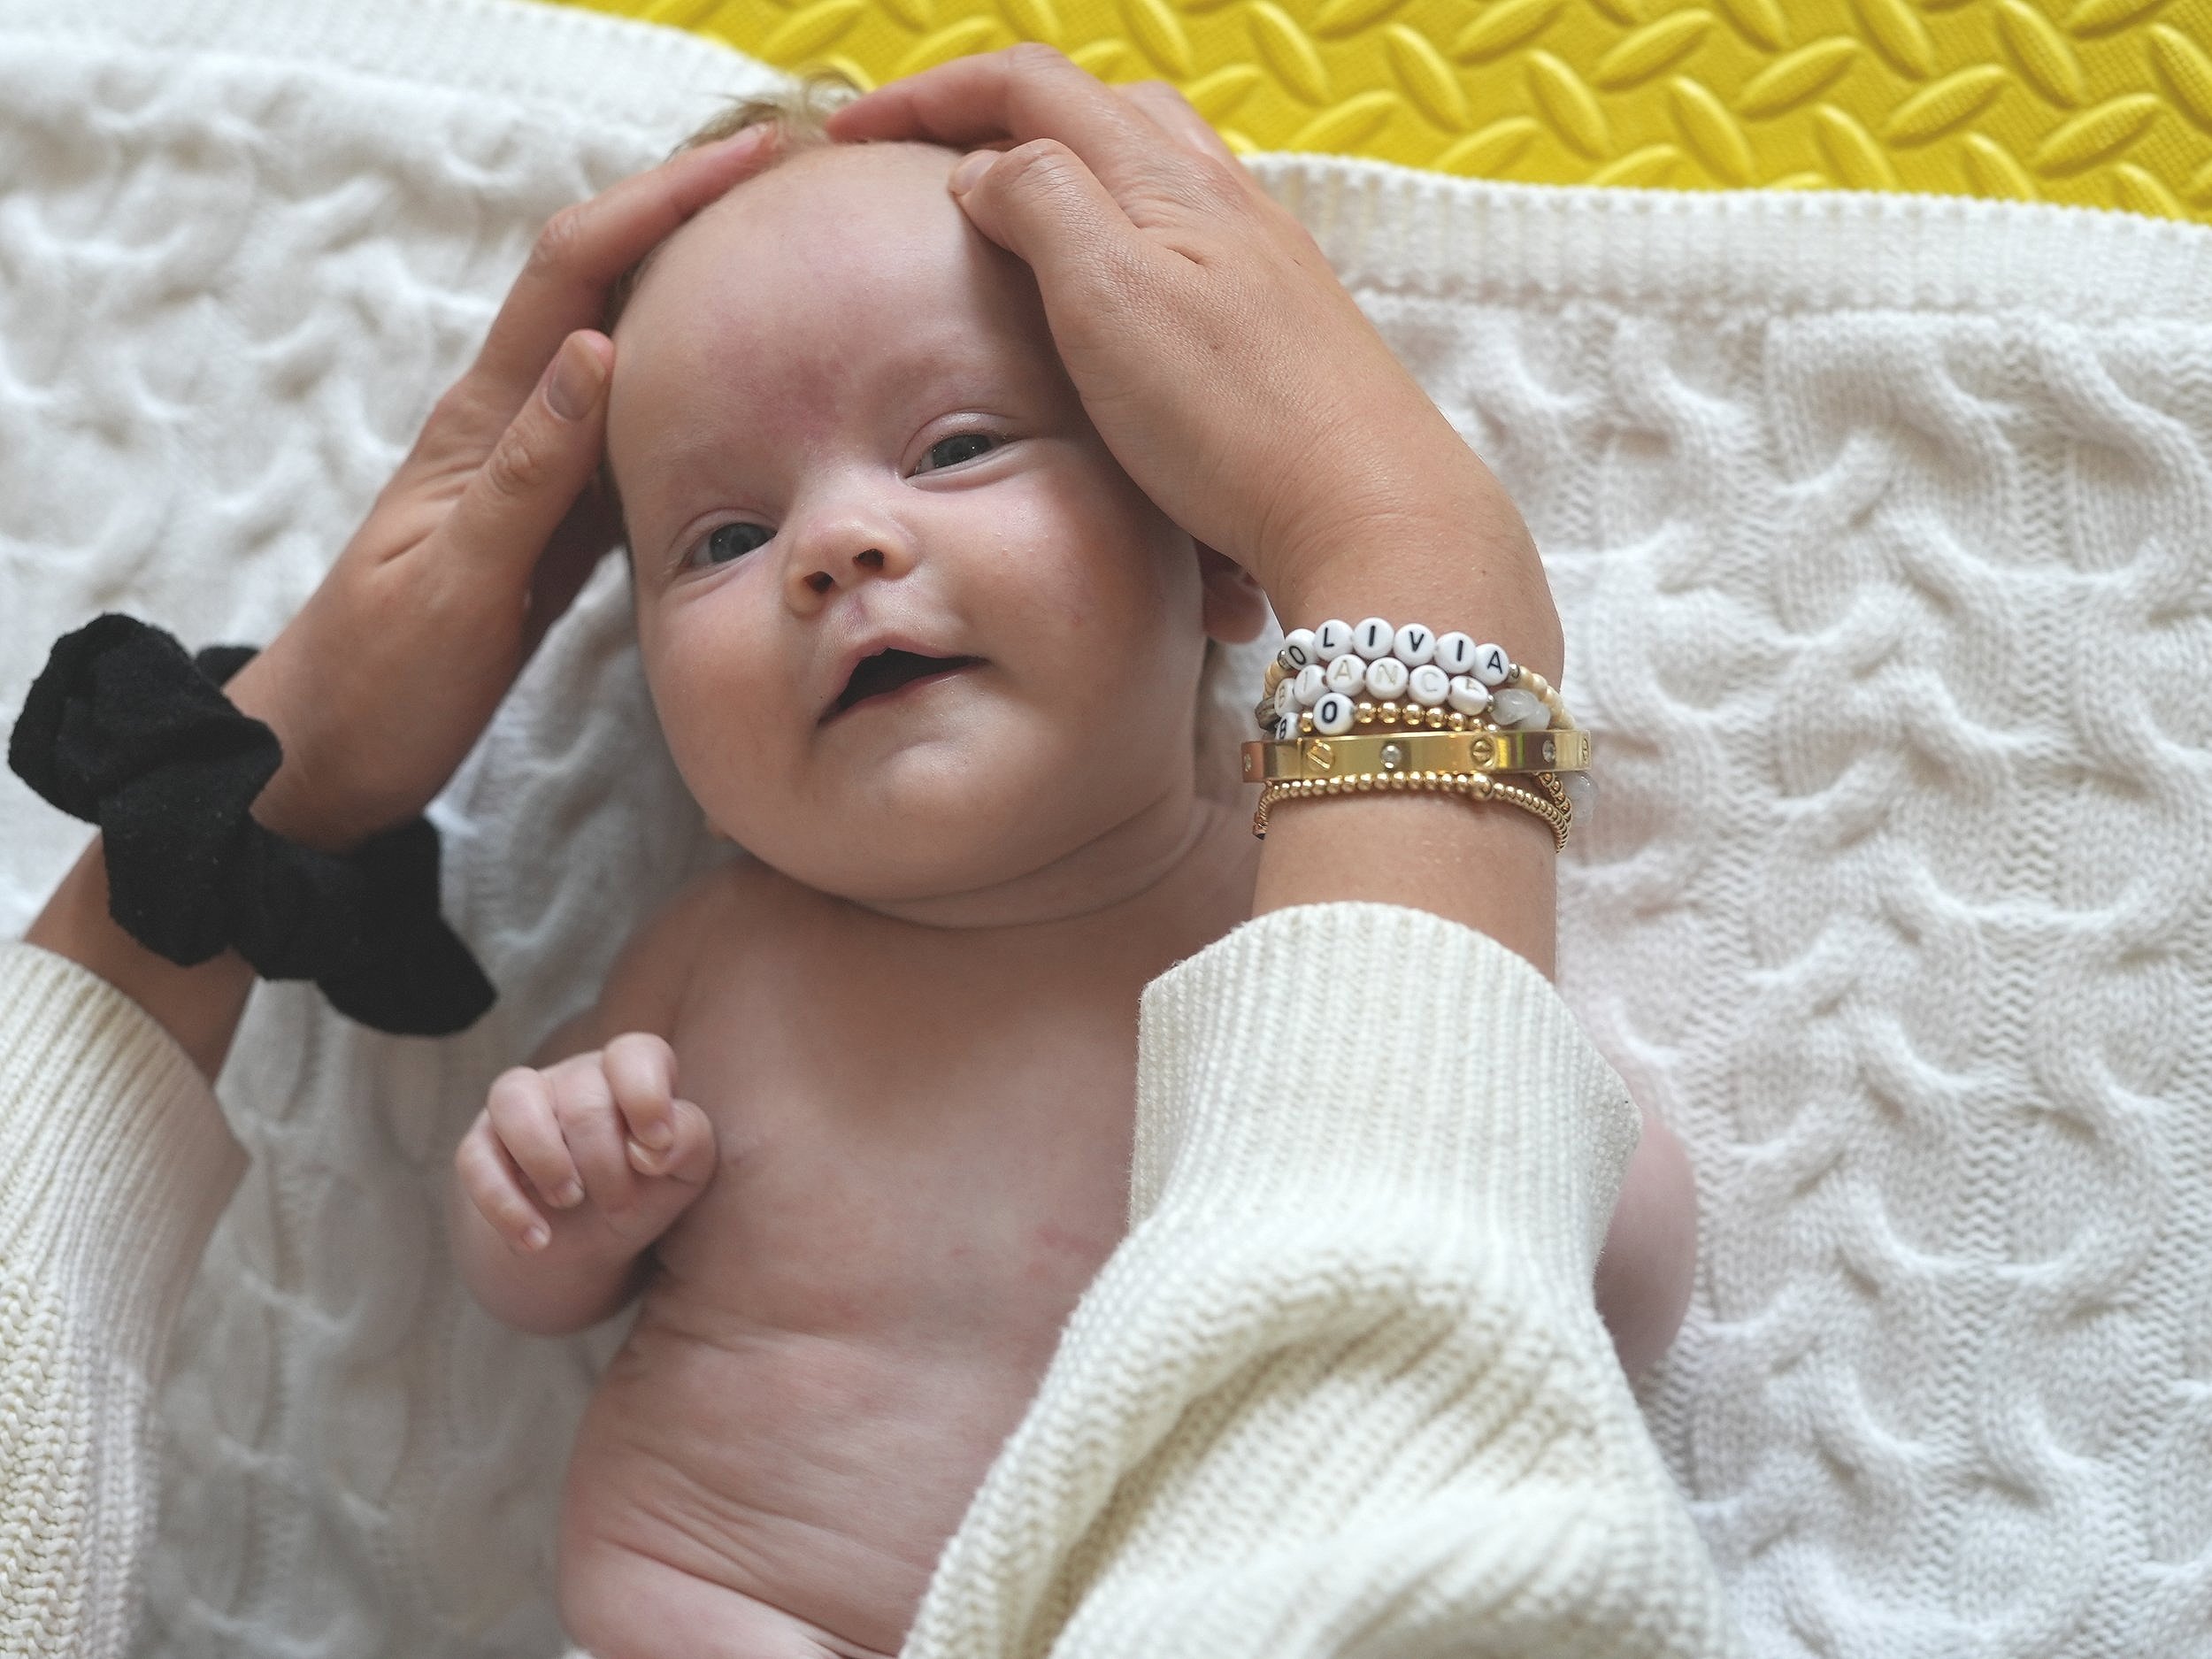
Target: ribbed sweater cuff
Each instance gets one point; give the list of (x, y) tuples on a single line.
[(1352, 1058), (114, 1158)]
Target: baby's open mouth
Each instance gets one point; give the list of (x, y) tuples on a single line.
[(890, 670)]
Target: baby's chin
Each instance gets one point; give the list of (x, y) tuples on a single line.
[(966, 840)]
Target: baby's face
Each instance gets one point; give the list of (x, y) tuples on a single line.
[(840, 430)]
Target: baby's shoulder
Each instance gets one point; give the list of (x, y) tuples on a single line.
[(705, 919)]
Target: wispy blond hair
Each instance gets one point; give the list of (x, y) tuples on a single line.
[(799, 114)]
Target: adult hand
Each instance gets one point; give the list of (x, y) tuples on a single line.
[(386, 676), (390, 672), (1236, 382), (1244, 392)]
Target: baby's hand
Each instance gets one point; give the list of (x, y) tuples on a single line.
[(599, 1140)]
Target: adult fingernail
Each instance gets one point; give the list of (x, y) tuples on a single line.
[(578, 374), (972, 168)]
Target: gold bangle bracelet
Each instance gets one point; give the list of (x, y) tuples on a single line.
[(1418, 752), (1475, 787)]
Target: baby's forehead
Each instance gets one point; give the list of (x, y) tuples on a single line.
[(820, 190), (869, 231)]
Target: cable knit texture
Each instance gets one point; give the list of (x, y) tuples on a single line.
[(1877, 526)]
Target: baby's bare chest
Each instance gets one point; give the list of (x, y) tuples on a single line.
[(926, 1148)]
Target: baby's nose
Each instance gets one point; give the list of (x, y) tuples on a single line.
[(867, 559)]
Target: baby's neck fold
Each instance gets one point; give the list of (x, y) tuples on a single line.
[(1114, 868)]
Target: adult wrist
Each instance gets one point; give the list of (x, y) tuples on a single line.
[(1480, 576), (1432, 535), (305, 800)]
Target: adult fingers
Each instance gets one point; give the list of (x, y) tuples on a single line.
[(580, 252), (1025, 92), (1039, 202), (493, 1185), (1178, 119), (512, 503), (520, 1107)]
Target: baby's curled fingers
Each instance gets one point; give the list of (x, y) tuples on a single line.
[(520, 1108), (665, 1135), (493, 1185)]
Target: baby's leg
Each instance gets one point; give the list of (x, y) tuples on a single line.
[(1650, 1253)]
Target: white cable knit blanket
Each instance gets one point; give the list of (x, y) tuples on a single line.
[(1880, 527)]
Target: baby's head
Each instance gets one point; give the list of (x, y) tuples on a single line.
[(911, 629)]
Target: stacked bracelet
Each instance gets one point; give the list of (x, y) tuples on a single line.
[(1373, 707)]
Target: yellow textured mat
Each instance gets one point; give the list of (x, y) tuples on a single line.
[(2099, 102)]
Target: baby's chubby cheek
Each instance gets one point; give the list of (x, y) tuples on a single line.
[(977, 779)]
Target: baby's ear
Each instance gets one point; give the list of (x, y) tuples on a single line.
[(1234, 609)]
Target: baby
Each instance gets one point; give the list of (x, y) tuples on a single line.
[(853, 1117)]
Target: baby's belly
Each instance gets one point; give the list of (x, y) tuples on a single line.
[(813, 1477)]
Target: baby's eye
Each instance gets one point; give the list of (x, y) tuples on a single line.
[(962, 446), (727, 542)]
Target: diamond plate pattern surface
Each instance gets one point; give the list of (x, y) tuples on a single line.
[(2094, 103)]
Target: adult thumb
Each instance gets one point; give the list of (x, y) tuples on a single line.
[(1039, 202), (510, 509)]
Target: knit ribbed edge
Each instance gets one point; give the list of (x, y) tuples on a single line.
[(114, 1158), (1752, 252), (583, 64), (1334, 1057)]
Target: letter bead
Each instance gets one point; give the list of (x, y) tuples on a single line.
[(1493, 666), (1312, 680), (1455, 653), (1373, 638), (1428, 685), (1386, 678), (1468, 695), (1414, 646), (1347, 674), (1287, 697), (1287, 726), (1332, 639), (1297, 649), (1332, 715)]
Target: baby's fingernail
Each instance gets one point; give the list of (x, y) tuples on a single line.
[(648, 1161), (536, 1236), (971, 169), (569, 1196), (656, 1135)]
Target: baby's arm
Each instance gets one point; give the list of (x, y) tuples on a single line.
[(580, 1161)]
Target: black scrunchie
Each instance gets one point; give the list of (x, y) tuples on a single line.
[(124, 730)]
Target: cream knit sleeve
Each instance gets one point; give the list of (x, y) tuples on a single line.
[(1343, 1389), (114, 1163)]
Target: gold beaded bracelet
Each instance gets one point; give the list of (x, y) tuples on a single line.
[(1478, 786)]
